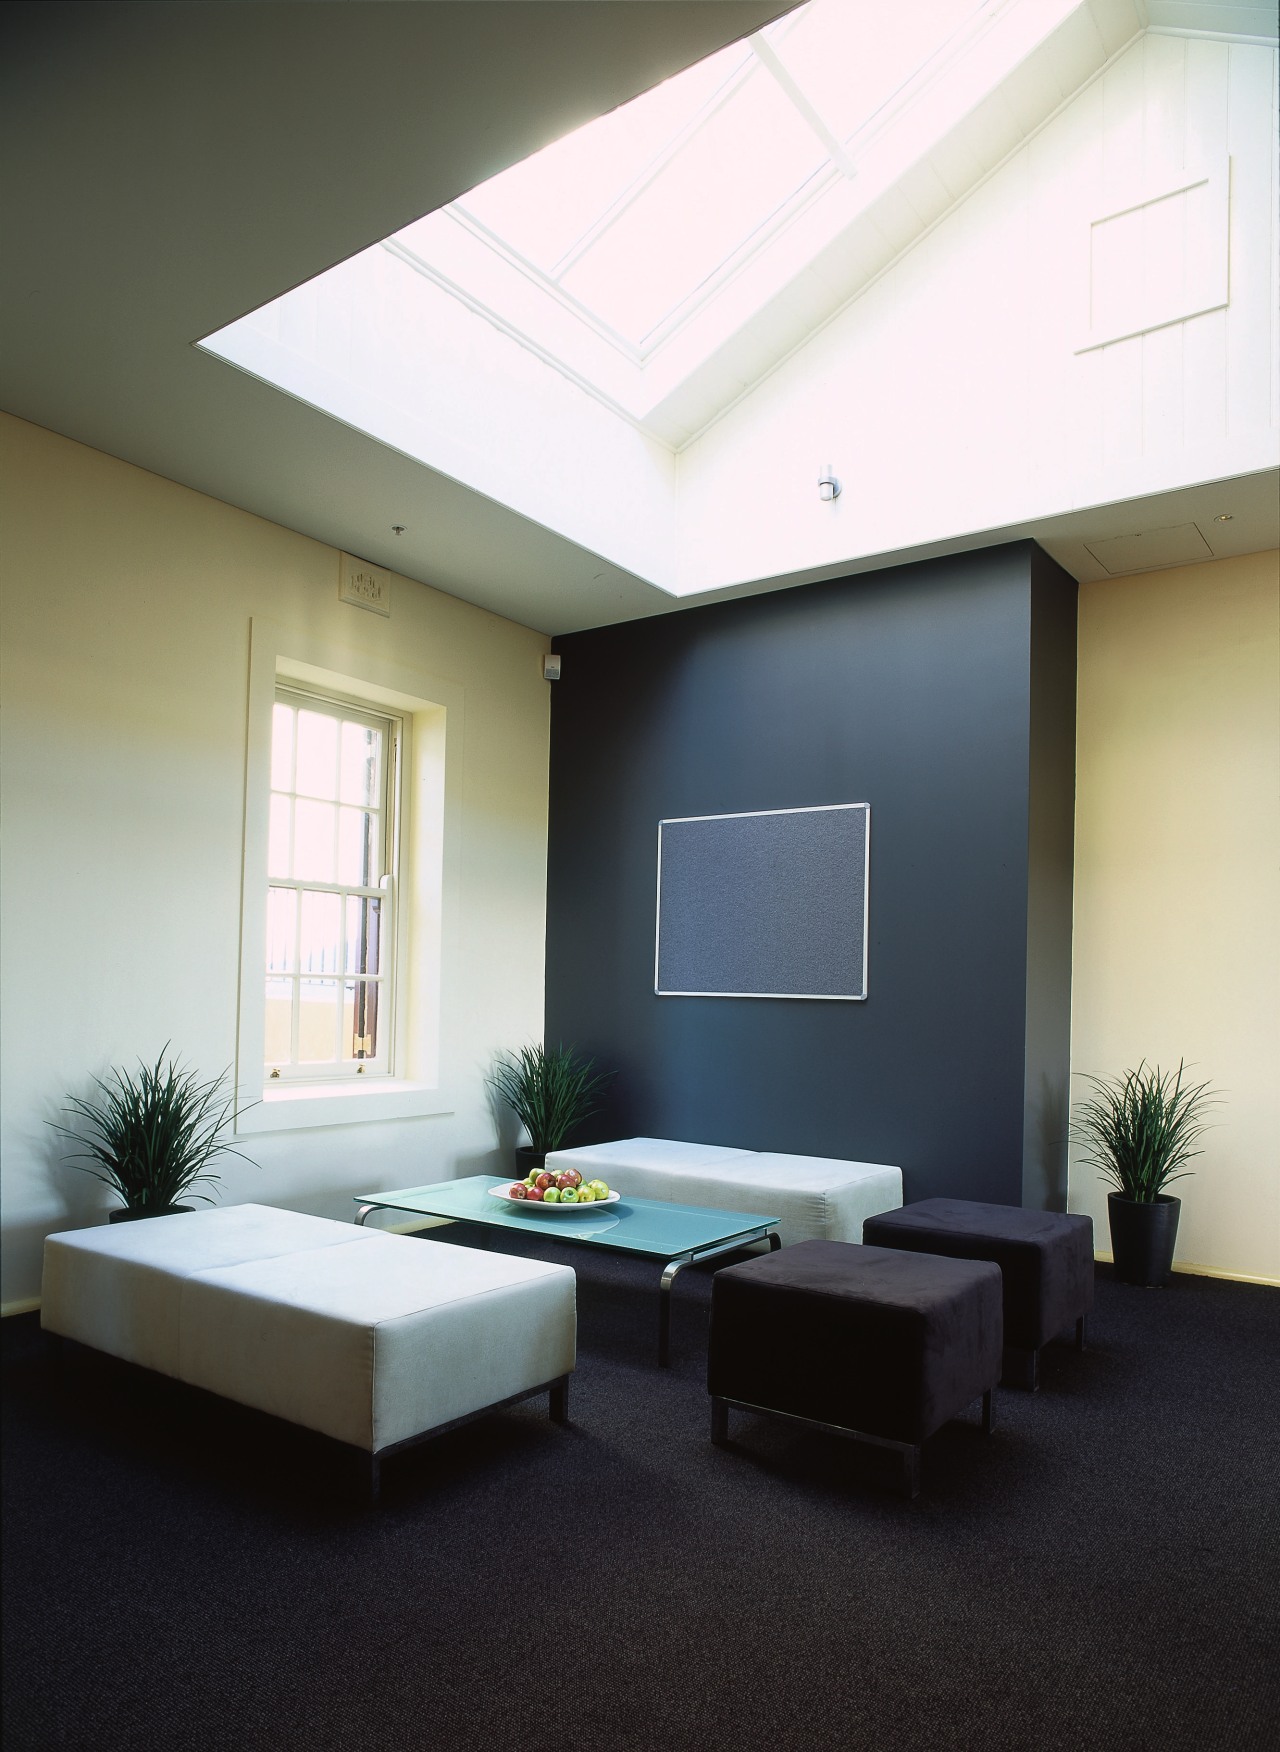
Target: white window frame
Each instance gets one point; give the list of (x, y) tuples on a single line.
[(391, 728), (423, 1076)]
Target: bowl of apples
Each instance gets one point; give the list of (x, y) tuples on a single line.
[(562, 1195)]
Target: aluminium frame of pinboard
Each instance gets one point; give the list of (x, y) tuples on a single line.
[(858, 996)]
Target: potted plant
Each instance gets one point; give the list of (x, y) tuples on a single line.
[(1138, 1130), (551, 1090), (151, 1139)]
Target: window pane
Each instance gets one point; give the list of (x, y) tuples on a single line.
[(282, 748), (279, 1030), (543, 205), (364, 931), (317, 1021), (724, 182), (282, 929), (358, 860), (278, 860), (361, 751), (318, 941), (317, 754), (315, 825), (324, 960), (849, 57), (359, 1019)]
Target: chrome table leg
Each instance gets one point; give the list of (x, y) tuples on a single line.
[(664, 1311)]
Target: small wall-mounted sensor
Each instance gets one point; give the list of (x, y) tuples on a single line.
[(828, 484), (551, 666)]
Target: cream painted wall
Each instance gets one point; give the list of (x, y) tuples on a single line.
[(127, 604), (1177, 911)]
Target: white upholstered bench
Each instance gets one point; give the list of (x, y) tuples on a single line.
[(376, 1340), (818, 1198)]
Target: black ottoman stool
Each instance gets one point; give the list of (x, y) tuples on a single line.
[(1045, 1259), (867, 1341)]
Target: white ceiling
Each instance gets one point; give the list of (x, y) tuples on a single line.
[(172, 167)]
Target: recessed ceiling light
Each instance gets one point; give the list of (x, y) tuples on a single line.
[(397, 529), (1224, 517)]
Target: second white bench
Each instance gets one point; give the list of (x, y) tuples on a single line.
[(818, 1198)]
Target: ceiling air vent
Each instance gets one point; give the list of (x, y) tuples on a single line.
[(1152, 550)]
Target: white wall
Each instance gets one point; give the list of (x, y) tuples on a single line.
[(127, 605), (1177, 892), (950, 397)]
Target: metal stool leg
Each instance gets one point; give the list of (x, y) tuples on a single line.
[(911, 1470), (720, 1422)]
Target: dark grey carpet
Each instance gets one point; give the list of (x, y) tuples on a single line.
[(185, 1576)]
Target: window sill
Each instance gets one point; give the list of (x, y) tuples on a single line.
[(299, 1105)]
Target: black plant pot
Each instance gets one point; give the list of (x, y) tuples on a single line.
[(529, 1161), (1143, 1237), (127, 1216)]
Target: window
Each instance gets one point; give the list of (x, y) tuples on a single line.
[(331, 891), (639, 218), (351, 835)]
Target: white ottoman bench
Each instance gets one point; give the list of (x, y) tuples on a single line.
[(375, 1340), (818, 1198)]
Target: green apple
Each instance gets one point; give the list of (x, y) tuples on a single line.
[(599, 1188), (569, 1195), (585, 1195), (551, 1195)]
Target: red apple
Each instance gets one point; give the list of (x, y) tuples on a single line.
[(544, 1181), (519, 1190), (535, 1192)]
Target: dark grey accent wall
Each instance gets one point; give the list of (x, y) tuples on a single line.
[(942, 694)]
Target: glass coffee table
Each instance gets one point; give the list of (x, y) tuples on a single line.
[(676, 1234)]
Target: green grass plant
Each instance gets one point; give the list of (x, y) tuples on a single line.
[(1139, 1129), (152, 1138), (551, 1090)]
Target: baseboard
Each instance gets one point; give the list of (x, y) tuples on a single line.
[(1210, 1271), (28, 1305)]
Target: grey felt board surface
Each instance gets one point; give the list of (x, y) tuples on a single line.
[(764, 905)]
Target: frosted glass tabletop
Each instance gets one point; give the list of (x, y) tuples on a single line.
[(633, 1225)]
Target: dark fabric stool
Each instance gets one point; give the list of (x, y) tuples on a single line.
[(1045, 1260), (870, 1342)]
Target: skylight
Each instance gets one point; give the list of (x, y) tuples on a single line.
[(638, 217), (560, 337)]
